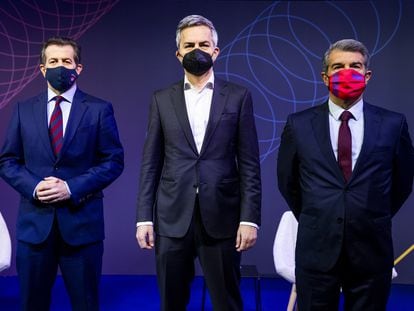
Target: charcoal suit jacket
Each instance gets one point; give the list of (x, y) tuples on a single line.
[(226, 172)]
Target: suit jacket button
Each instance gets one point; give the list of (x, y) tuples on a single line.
[(56, 168), (339, 220)]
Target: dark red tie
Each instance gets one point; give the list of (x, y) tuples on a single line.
[(345, 145), (56, 127)]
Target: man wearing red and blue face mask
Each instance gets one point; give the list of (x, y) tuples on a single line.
[(345, 168)]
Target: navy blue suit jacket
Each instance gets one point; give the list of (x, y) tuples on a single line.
[(226, 171), (336, 216), (90, 159)]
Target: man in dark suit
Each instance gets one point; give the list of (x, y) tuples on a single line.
[(345, 168), (61, 150), (200, 176)]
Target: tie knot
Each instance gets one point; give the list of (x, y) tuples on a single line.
[(58, 100), (345, 116)]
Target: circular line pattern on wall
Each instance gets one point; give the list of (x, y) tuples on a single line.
[(25, 25), (279, 55)]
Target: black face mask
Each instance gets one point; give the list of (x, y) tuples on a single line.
[(197, 62), (61, 78)]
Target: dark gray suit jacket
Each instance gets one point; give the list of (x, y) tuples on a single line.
[(226, 172)]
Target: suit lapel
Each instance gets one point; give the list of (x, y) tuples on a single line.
[(40, 115), (372, 122), (77, 110), (217, 105), (178, 101), (320, 124)]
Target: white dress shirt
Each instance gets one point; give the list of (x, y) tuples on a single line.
[(198, 104), (356, 125), (65, 105)]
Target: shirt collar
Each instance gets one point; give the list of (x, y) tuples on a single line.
[(68, 95), (356, 110), (209, 84)]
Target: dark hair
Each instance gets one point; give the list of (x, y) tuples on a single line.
[(61, 41), (347, 45)]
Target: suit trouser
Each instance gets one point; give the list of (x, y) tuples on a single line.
[(80, 266), (218, 258), (362, 290)]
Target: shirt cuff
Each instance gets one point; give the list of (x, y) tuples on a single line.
[(144, 223), (247, 223), (67, 188), (34, 191)]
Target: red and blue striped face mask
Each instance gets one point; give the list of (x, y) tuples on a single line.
[(347, 84)]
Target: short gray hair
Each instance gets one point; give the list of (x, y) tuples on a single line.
[(347, 45), (195, 20)]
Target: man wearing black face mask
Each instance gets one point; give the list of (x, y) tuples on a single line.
[(345, 168), (200, 176), (61, 150)]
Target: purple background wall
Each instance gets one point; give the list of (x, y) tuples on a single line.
[(274, 48)]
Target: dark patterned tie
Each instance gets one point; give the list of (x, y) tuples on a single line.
[(345, 145), (56, 127)]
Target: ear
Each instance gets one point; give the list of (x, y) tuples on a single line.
[(368, 75), (79, 68), (179, 57), (42, 68), (325, 78), (215, 54)]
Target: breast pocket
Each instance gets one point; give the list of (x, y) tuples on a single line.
[(229, 116), (382, 149), (86, 129)]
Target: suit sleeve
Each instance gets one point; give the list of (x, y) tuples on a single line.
[(403, 169), (109, 160), (12, 164), (288, 169), (151, 165), (249, 164)]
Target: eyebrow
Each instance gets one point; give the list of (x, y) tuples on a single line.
[(57, 58), (341, 64), (202, 42)]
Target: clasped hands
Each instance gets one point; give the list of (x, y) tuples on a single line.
[(52, 190)]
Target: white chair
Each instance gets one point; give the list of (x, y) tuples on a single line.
[(5, 245), (284, 252)]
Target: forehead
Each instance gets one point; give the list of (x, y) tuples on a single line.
[(345, 57), (60, 51), (196, 34)]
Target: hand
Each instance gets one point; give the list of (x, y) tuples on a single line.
[(145, 236), (246, 237), (52, 190)]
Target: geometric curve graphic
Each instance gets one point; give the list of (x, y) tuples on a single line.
[(25, 25), (279, 55)]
